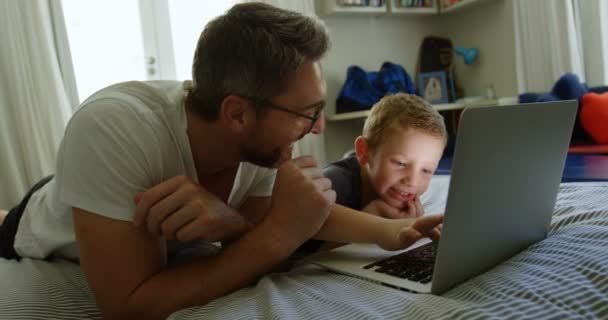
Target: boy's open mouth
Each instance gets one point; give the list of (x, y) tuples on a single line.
[(400, 194)]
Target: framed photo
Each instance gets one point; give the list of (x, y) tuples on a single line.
[(433, 87)]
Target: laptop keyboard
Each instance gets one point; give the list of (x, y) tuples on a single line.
[(414, 265)]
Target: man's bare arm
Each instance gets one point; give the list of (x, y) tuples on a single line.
[(126, 268), (125, 265)]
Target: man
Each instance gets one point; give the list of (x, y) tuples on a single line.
[(143, 163)]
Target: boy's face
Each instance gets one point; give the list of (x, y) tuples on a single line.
[(401, 167)]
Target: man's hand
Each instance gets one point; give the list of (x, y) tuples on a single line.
[(403, 233), (382, 209), (301, 201), (180, 209)]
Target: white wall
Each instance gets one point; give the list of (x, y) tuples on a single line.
[(490, 28), (369, 41)]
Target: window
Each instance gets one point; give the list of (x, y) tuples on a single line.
[(188, 18), (120, 40), (105, 42)]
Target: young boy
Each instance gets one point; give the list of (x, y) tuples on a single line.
[(395, 157), (402, 142)]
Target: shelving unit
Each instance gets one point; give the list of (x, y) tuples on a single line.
[(396, 9), (332, 8), (460, 104)]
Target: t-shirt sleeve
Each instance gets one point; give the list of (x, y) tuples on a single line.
[(263, 183), (102, 159)]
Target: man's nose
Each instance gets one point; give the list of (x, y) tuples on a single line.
[(319, 126)]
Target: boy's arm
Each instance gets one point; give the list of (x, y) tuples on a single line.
[(347, 225)]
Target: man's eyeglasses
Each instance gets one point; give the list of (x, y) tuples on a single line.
[(319, 109)]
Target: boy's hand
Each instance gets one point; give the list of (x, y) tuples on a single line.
[(380, 208), (180, 209), (404, 232), (414, 208)]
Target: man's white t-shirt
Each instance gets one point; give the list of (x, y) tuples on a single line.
[(123, 140)]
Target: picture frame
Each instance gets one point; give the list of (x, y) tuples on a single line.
[(433, 87)]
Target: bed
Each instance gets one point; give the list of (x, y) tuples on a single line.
[(563, 277)]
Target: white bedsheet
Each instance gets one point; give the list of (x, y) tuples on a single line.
[(563, 277)]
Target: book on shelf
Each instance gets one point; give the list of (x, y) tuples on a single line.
[(360, 3), (414, 3)]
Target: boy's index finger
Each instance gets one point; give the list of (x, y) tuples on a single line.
[(419, 208), (145, 200), (427, 223)]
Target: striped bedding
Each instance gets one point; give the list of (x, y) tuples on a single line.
[(563, 277)]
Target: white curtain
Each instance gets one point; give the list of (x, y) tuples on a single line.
[(548, 43), (34, 105), (311, 144), (594, 31)]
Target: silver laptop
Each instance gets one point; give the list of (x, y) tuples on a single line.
[(507, 167)]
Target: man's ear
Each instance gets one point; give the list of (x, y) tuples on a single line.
[(362, 150), (236, 113)]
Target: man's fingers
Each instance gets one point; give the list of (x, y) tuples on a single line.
[(188, 232), (151, 196), (178, 219), (330, 195), (313, 172), (216, 228), (163, 209), (286, 155), (305, 162), (322, 184)]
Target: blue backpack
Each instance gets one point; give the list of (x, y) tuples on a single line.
[(363, 89)]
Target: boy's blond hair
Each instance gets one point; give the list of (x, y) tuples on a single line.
[(401, 112)]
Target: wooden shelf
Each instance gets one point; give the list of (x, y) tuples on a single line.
[(332, 8), (349, 115), (459, 104), (413, 11), (365, 113)]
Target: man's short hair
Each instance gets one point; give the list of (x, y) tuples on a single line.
[(252, 51), (401, 112)]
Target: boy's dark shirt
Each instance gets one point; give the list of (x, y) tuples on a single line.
[(345, 176)]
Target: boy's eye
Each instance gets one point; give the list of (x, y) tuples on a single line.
[(399, 163), (426, 171)]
